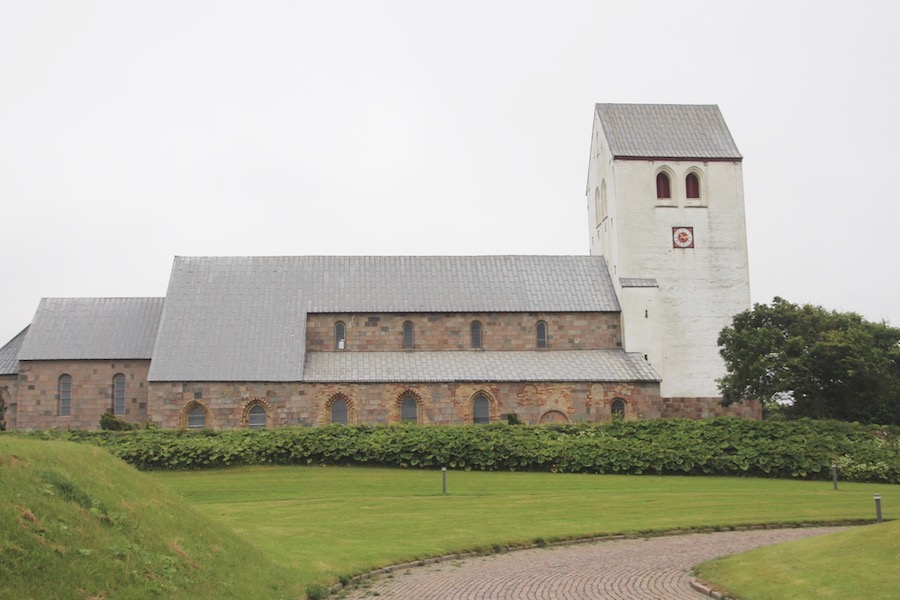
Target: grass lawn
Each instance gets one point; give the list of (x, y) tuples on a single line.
[(859, 563), (328, 522)]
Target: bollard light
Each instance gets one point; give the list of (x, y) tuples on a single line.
[(834, 474), (878, 518), (444, 479)]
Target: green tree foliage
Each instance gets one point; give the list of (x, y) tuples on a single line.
[(807, 361), (3, 391)]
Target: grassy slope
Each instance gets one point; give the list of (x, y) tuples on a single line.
[(333, 521), (77, 523), (860, 563)]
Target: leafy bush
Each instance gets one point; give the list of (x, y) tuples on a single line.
[(110, 422), (725, 446)]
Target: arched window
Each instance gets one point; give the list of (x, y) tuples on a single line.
[(692, 186), (481, 410), (409, 409), (476, 334), (340, 411), (408, 335), (256, 417), (617, 408), (118, 394), (663, 186), (196, 417), (65, 395), (541, 331), (340, 335)]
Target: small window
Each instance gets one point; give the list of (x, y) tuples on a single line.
[(196, 417), (541, 331), (409, 409), (339, 411), (65, 395), (617, 408), (118, 389), (256, 417), (663, 187), (476, 334), (692, 186), (408, 335), (340, 335), (481, 410)]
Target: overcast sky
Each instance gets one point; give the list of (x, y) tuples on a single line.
[(131, 132)]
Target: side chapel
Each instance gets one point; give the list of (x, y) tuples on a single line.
[(629, 330)]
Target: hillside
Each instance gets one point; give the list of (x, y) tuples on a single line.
[(77, 523)]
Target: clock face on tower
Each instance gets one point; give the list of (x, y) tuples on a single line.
[(682, 237)]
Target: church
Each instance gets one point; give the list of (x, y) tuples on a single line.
[(629, 331)]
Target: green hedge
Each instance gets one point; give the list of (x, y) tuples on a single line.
[(724, 446)]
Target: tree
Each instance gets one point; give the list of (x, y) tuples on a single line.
[(813, 363)]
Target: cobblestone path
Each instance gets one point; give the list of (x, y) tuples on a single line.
[(632, 569)]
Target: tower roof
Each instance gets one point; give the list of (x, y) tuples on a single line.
[(673, 131)]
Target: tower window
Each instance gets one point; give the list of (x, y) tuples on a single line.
[(663, 187), (340, 335), (409, 339), (541, 331), (476, 334), (692, 185)]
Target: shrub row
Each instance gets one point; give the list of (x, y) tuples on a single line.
[(724, 446)]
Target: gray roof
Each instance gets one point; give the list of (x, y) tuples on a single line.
[(637, 282), (9, 354), (612, 364), (92, 328), (244, 318), (686, 131)]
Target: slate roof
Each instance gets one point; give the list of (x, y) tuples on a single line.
[(9, 354), (612, 364), (92, 328), (244, 318), (673, 131)]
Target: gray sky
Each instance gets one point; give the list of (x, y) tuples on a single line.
[(131, 132)]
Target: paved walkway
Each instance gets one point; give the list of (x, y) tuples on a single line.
[(632, 569)]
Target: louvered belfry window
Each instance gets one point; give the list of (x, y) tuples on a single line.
[(692, 185), (663, 187)]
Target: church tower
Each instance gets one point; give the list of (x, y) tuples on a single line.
[(665, 201)]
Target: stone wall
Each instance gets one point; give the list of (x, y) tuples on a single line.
[(451, 331), (37, 396), (704, 408), (297, 404)]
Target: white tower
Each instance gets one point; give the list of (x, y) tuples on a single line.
[(666, 208)]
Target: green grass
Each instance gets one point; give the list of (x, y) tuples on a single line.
[(333, 521), (859, 563), (77, 523)]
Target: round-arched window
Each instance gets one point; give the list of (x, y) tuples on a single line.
[(617, 408), (340, 411), (256, 417), (409, 409)]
